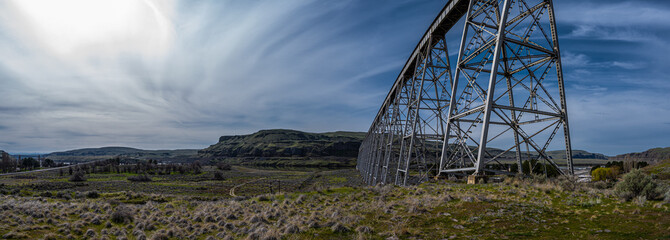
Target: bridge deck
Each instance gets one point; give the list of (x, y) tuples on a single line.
[(447, 18)]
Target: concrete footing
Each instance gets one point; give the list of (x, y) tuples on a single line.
[(475, 179)]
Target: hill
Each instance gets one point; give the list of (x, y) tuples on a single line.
[(576, 154), (282, 147), (653, 155), (661, 169), (89, 154)]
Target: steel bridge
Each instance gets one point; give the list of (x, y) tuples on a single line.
[(495, 110)]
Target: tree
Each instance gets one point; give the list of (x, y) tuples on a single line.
[(49, 163), (197, 167), (29, 163), (604, 174), (7, 164)]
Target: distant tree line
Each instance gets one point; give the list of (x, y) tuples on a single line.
[(9, 164), (150, 167)]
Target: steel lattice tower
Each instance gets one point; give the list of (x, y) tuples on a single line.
[(432, 123)]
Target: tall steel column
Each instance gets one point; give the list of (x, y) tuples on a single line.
[(496, 110), (509, 47), (424, 132)]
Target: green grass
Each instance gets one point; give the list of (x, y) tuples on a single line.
[(316, 201)]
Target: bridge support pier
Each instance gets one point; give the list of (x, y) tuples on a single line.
[(477, 179), (501, 106)]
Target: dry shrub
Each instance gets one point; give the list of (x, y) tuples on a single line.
[(567, 183), (14, 235), (364, 229), (160, 236), (78, 177), (51, 236), (139, 178), (90, 233), (339, 228), (635, 184), (219, 176), (122, 214)]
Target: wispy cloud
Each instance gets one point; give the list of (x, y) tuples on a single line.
[(174, 74), (177, 74)]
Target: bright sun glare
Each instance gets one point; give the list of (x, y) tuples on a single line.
[(68, 25)]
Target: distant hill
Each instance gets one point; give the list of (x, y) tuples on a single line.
[(652, 155), (576, 154), (661, 169), (88, 154), (287, 148)]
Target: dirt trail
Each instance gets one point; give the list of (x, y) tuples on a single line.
[(232, 190)]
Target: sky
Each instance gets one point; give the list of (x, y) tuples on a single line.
[(169, 74)]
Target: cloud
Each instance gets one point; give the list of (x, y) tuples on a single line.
[(574, 59), (618, 121), (628, 65), (614, 14), (184, 73), (176, 74)]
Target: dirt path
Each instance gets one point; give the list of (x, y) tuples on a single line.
[(232, 190)]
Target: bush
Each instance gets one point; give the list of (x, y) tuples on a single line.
[(92, 194), (122, 215), (139, 178), (636, 184), (223, 166), (78, 177), (603, 174), (567, 183), (593, 169), (218, 176), (600, 185), (64, 195)]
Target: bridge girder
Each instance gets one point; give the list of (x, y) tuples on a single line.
[(429, 121)]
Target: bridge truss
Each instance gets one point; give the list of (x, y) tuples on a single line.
[(501, 105)]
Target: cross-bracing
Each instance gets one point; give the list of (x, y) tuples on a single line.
[(497, 109)]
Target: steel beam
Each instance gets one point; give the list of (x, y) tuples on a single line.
[(434, 121)]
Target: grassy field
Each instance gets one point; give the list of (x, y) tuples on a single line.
[(317, 205), (203, 185)]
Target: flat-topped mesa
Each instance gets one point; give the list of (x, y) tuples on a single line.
[(286, 143)]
